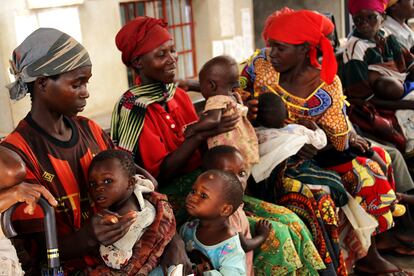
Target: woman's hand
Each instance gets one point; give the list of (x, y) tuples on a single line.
[(30, 194), (175, 254), (357, 142), (106, 230), (252, 106)]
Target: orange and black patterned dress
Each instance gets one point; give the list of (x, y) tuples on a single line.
[(360, 176)]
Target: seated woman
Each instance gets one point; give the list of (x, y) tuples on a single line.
[(156, 113), (372, 58), (291, 69), (57, 147)]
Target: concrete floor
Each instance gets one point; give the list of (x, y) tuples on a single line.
[(404, 262)]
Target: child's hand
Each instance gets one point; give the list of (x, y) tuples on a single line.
[(30, 194), (263, 228)]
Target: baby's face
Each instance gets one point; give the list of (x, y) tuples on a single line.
[(233, 163), (108, 183), (204, 200)]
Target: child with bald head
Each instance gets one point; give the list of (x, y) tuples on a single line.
[(219, 78)]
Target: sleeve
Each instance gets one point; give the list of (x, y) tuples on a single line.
[(216, 102), (103, 139), (335, 121), (403, 59)]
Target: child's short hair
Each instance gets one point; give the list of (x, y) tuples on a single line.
[(232, 188), (213, 154), (124, 158), (271, 111), (223, 62)]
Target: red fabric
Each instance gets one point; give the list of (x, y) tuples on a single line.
[(140, 36), (159, 138), (298, 27), (355, 6)]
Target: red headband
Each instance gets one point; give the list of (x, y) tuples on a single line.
[(140, 36), (355, 6), (298, 27)]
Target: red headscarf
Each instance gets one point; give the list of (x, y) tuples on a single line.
[(355, 6), (298, 27), (140, 36)]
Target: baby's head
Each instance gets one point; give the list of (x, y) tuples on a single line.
[(228, 159), (214, 194), (219, 76), (13, 169), (272, 111), (111, 178)]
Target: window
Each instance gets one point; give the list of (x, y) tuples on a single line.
[(178, 14)]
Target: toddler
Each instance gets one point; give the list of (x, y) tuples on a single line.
[(215, 196), (12, 191), (116, 190), (229, 159), (218, 78)]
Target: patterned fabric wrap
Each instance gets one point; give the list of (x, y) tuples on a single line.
[(129, 112), (45, 52), (148, 249), (374, 189), (289, 249)]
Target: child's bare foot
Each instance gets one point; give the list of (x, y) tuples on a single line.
[(263, 228)]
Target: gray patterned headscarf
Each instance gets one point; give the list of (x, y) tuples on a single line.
[(45, 52)]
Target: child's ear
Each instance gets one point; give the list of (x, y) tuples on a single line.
[(131, 182), (226, 210), (213, 85)]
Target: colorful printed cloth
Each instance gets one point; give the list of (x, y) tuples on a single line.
[(289, 249), (374, 189), (242, 137), (149, 248), (227, 257)]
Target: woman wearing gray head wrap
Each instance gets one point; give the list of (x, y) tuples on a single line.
[(57, 146), (46, 52)]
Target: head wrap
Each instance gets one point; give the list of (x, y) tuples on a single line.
[(45, 52), (355, 6), (391, 3), (140, 36), (298, 27)]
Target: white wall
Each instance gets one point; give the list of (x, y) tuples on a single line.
[(96, 22)]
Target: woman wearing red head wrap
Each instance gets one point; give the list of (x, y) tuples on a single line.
[(312, 92), (149, 119)]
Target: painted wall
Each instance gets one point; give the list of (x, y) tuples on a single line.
[(262, 9), (99, 21)]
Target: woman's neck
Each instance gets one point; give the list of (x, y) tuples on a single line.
[(398, 18), (51, 122), (296, 74)]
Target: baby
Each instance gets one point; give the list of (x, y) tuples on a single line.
[(229, 159), (12, 191), (117, 190), (218, 78), (215, 196), (277, 142)]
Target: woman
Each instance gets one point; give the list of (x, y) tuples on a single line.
[(150, 118), (398, 12), (57, 147), (376, 74), (290, 69)]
